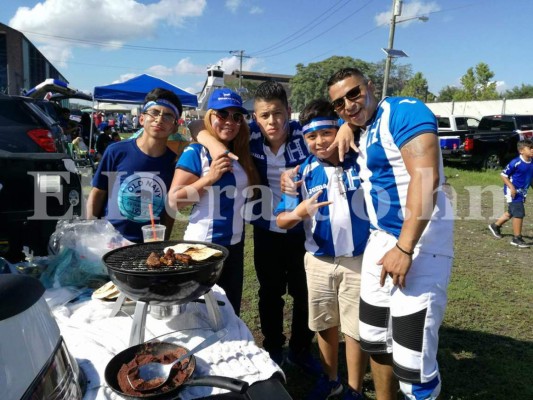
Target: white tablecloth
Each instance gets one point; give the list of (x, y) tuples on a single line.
[(94, 338)]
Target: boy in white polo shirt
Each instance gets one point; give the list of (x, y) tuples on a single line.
[(331, 205)]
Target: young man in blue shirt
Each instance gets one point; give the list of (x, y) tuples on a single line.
[(133, 174)]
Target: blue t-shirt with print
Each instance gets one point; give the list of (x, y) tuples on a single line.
[(133, 180)]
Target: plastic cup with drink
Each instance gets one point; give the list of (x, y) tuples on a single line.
[(153, 233)]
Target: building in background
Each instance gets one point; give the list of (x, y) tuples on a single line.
[(217, 78), (22, 65)]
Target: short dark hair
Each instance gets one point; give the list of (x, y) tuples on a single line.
[(160, 93), (271, 90), (344, 73), (524, 143), (317, 108)]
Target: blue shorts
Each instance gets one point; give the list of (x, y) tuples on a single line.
[(516, 209)]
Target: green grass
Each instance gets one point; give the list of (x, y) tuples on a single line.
[(486, 341)]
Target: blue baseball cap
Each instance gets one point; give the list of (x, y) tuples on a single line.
[(225, 98)]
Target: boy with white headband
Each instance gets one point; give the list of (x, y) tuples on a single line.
[(133, 176), (330, 203)]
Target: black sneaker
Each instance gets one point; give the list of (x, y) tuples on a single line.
[(519, 242), (495, 230)]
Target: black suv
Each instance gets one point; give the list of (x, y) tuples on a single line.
[(39, 181)]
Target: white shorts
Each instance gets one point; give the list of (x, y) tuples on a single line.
[(404, 322)]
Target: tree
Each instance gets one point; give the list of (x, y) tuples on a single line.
[(447, 93), (468, 93), (477, 85), (247, 91), (399, 76), (522, 92), (417, 87), (310, 81)]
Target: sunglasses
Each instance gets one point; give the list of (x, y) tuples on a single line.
[(237, 117), (352, 95), (165, 117)]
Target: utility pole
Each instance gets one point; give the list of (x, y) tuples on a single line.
[(396, 11), (239, 53)]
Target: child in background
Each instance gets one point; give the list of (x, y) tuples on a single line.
[(517, 176), (331, 205)]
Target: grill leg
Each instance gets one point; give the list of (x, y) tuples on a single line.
[(118, 305), (213, 310), (139, 323)]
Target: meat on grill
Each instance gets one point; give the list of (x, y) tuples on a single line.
[(153, 260), (183, 258), (169, 259)]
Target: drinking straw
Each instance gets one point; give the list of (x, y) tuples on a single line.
[(151, 211)]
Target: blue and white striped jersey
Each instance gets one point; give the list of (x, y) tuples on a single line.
[(342, 228), (520, 173), (218, 216), (270, 166), (384, 176)]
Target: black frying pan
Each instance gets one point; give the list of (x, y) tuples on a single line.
[(157, 348)]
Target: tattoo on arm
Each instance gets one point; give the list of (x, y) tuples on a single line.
[(415, 148)]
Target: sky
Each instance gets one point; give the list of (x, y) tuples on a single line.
[(99, 42)]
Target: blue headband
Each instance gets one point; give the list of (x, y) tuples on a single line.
[(164, 103), (319, 123)]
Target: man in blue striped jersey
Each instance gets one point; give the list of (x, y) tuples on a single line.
[(409, 255)]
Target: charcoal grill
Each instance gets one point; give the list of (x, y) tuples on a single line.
[(162, 286), (173, 285)]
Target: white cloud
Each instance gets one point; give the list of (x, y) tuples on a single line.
[(160, 70), (108, 23), (256, 10), (125, 77), (409, 10), (501, 86), (233, 5), (60, 54), (185, 66), (231, 64)]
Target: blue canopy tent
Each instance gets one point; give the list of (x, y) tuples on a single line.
[(135, 89)]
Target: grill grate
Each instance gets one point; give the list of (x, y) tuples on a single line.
[(133, 258)]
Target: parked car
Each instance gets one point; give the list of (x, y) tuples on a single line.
[(452, 130), (39, 181), (494, 142)]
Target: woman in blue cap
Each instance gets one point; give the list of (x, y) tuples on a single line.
[(218, 188)]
